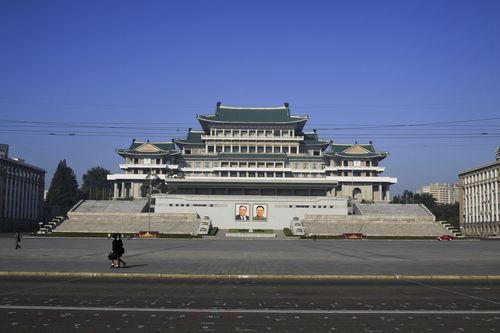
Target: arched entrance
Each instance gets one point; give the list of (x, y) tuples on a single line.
[(356, 194)]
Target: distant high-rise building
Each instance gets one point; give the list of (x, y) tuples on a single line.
[(479, 199), (443, 193)]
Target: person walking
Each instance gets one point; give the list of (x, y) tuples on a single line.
[(17, 237), (118, 251), (122, 251)]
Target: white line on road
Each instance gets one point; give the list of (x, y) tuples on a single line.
[(267, 311)]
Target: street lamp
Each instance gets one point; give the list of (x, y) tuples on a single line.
[(150, 176)]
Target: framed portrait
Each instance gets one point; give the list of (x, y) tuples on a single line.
[(242, 212), (259, 213)]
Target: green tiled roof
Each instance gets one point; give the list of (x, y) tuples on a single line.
[(311, 139), (235, 156), (193, 138), (159, 148), (357, 150), (166, 146), (252, 115)]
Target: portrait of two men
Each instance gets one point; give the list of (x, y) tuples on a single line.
[(257, 213)]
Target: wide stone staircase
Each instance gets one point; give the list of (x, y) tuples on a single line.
[(126, 217), (378, 220)]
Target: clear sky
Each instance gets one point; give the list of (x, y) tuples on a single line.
[(421, 79)]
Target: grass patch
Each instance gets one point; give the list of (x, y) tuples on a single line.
[(288, 232), (213, 231), (315, 237), (179, 236), (105, 235), (370, 237), (81, 234)]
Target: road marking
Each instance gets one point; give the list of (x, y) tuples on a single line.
[(454, 292), (266, 311)]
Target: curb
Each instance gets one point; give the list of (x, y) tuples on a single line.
[(167, 276)]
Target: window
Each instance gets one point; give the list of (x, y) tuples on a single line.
[(357, 163), (227, 149), (316, 153), (244, 149), (269, 149), (252, 149), (210, 149), (218, 149), (187, 151), (277, 150), (285, 150), (236, 149), (260, 149)]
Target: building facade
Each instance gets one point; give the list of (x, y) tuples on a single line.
[(21, 193), (241, 151), (444, 193), (479, 199)]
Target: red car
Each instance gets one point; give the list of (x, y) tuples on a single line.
[(445, 238)]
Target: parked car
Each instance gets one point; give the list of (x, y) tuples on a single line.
[(445, 238)]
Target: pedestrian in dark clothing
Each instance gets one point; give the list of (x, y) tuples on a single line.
[(118, 251), (17, 237), (122, 251)]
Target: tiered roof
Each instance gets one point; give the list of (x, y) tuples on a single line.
[(355, 151), (252, 115), (148, 148), (311, 139), (193, 138)]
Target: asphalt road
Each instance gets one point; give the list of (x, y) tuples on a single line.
[(246, 305)]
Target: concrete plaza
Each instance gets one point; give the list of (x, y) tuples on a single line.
[(277, 257)]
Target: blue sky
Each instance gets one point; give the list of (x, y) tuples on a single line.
[(110, 71)]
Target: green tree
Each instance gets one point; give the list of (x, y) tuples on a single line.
[(63, 190), (157, 186), (96, 185), (443, 212), (427, 200)]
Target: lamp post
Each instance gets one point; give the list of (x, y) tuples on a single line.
[(150, 176)]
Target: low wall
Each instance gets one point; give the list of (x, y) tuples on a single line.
[(130, 222)]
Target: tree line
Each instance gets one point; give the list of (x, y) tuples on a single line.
[(65, 192), (443, 212)]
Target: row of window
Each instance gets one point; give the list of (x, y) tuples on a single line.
[(251, 133), (148, 161), (246, 164), (22, 172), (253, 174), (188, 205), (481, 176), (252, 149)]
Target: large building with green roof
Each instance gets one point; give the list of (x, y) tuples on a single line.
[(250, 151)]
